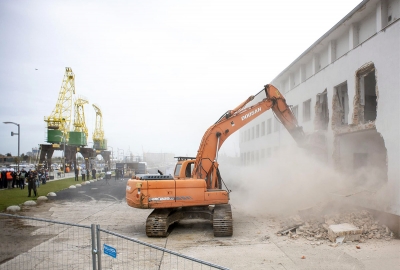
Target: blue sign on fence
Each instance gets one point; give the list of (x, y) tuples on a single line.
[(109, 250)]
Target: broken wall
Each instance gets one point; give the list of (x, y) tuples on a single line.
[(355, 139)]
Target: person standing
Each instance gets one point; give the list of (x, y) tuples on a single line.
[(22, 178), (93, 173), (9, 177), (32, 182), (3, 180), (15, 175), (83, 175), (43, 177), (76, 174)]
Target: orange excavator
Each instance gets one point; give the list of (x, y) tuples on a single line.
[(195, 190)]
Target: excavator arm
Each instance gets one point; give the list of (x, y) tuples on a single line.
[(205, 166)]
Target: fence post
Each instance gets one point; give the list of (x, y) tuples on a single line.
[(98, 247), (94, 247)]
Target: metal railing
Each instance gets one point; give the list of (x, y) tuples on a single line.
[(35, 243)]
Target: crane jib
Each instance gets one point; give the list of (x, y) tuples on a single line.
[(247, 115)]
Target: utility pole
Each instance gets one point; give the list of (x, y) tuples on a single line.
[(12, 134)]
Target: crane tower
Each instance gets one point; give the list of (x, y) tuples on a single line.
[(59, 122), (99, 142), (80, 134)]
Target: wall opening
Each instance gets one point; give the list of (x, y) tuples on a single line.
[(366, 96), (340, 105), (363, 155), (295, 111), (321, 120), (306, 110)]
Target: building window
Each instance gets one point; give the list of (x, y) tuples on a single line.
[(367, 94), (342, 103), (252, 133), (257, 131), (263, 128), (269, 126), (307, 110), (276, 124), (321, 120), (295, 111), (262, 154)]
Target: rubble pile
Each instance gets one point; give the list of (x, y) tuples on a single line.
[(314, 226)]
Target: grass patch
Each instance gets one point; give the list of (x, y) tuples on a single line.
[(17, 196)]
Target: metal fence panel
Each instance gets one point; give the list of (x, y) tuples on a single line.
[(57, 245), (135, 254), (48, 244)]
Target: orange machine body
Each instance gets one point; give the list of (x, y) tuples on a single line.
[(180, 191)]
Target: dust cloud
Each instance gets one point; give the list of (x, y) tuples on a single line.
[(291, 180)]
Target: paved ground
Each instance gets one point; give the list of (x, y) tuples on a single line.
[(254, 244)]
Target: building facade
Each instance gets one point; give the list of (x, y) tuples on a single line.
[(346, 86)]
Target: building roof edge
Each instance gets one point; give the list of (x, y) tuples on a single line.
[(345, 18)]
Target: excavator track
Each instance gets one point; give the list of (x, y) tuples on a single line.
[(157, 223), (159, 220), (222, 220)]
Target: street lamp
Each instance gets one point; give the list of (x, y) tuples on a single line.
[(12, 134), (63, 138)]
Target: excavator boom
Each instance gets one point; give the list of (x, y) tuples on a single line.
[(233, 120)]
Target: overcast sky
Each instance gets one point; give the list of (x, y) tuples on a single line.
[(161, 71)]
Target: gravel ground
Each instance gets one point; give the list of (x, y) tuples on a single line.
[(254, 245)]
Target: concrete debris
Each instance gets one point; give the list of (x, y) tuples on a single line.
[(317, 227), (344, 232), (289, 229)]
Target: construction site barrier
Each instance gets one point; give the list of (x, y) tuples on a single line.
[(49, 244)]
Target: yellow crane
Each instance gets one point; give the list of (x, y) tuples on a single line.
[(80, 134), (99, 142), (59, 122)]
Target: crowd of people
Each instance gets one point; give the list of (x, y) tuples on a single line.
[(18, 179), (85, 174)]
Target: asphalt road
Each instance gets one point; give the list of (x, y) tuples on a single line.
[(101, 190)]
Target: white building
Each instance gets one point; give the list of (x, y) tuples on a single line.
[(347, 87)]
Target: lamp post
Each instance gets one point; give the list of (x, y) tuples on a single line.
[(63, 138), (12, 134)]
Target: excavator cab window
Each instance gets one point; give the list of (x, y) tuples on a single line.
[(177, 169), (189, 169)]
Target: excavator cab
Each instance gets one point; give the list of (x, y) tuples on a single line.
[(184, 167)]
